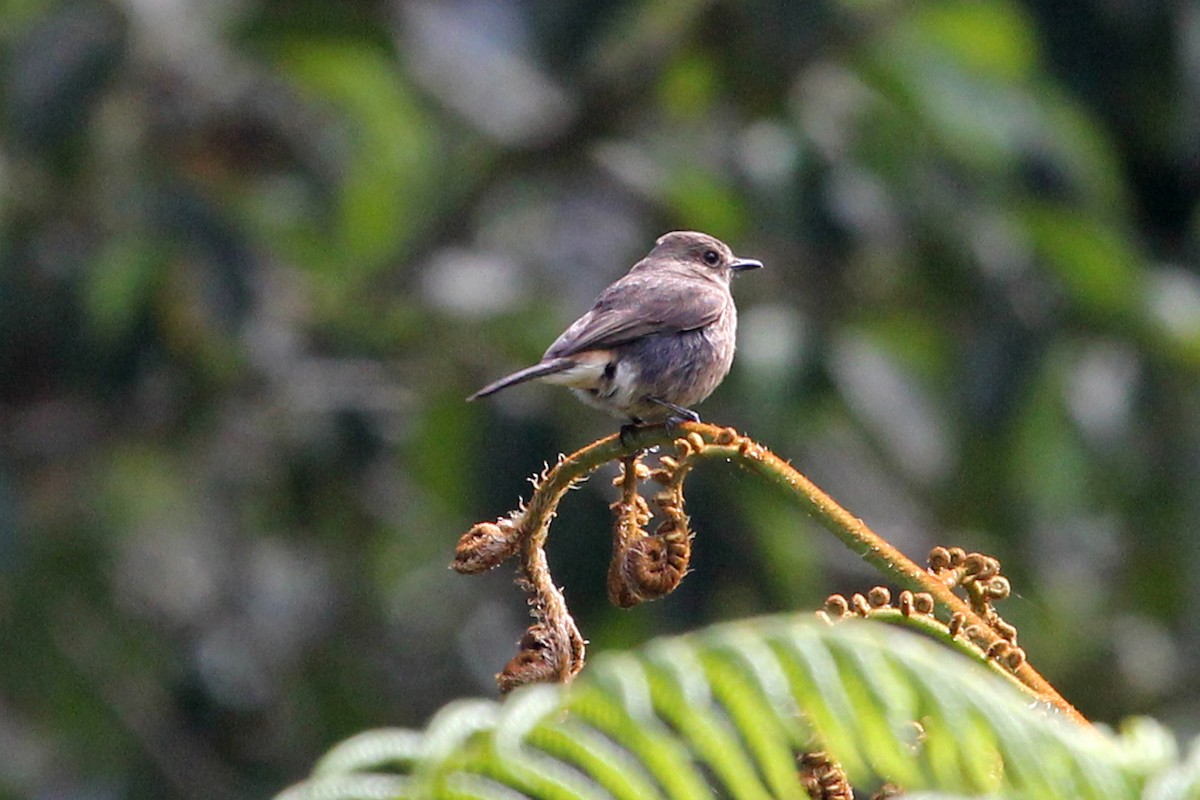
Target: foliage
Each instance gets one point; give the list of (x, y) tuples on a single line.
[(724, 713), (254, 253)]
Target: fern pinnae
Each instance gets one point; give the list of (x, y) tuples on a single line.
[(654, 746), (1032, 752), (680, 657), (770, 736), (1028, 761), (624, 675), (521, 726), (746, 645), (350, 787), (539, 775), (1015, 741), (606, 762), (707, 732), (453, 725), (952, 757), (885, 713), (630, 731), (534, 718), (457, 734), (471, 786), (1150, 748), (812, 673), (524, 711), (385, 748)]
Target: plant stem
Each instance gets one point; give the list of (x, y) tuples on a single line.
[(852, 531)]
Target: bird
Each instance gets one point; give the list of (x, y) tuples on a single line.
[(656, 342)]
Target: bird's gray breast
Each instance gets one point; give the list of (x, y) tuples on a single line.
[(682, 367)]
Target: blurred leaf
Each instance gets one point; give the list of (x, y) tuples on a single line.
[(792, 573), (16, 13), (643, 32), (968, 70), (119, 282), (1050, 466), (1085, 155), (726, 711), (702, 202), (389, 154), (988, 37), (688, 86), (915, 338), (1091, 260), (445, 438), (56, 72)]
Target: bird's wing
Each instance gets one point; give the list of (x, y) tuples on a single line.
[(640, 305)]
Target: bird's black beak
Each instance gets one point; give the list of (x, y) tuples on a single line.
[(743, 264)]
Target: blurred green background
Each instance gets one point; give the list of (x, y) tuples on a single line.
[(255, 253)]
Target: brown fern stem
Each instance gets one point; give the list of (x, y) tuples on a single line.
[(710, 441)]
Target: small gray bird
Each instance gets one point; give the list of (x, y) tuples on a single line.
[(657, 341)]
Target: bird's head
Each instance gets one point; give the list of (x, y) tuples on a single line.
[(699, 254)]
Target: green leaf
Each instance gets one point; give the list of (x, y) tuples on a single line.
[(1091, 259), (372, 750), (119, 283), (387, 150), (706, 202), (991, 38), (727, 711)]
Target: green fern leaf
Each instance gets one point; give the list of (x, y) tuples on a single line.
[(726, 712)]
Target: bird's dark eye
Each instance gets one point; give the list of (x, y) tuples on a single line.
[(712, 257)]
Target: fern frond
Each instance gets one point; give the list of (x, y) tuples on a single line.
[(728, 711)]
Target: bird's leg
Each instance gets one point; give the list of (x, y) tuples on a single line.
[(681, 414), (628, 429)]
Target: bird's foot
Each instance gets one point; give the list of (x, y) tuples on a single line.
[(628, 430)]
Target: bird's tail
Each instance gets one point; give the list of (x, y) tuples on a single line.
[(540, 370)]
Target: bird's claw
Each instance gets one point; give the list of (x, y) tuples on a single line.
[(680, 414)]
